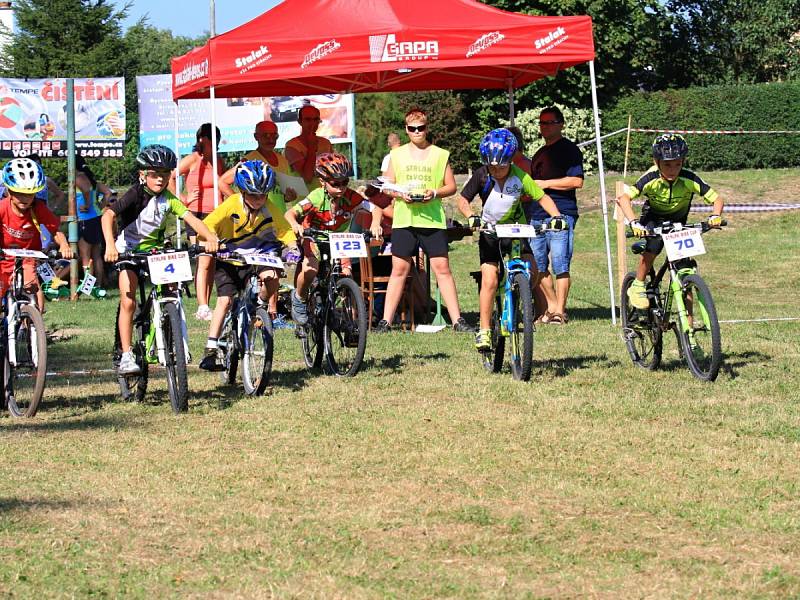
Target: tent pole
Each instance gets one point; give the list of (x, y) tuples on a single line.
[(354, 148), (601, 169), (214, 149), (178, 183), (510, 101)]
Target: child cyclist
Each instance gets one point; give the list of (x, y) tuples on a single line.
[(502, 187), (331, 208), (668, 189), (142, 213), (22, 217), (243, 222)]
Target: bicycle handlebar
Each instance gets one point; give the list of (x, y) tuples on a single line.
[(661, 230), (317, 234)]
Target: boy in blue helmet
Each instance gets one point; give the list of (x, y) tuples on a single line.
[(502, 187)]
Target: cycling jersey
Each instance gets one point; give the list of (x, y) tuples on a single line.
[(240, 227), (143, 218), (318, 212), (502, 204), (24, 231), (668, 198)]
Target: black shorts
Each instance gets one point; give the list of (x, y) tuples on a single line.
[(406, 240), (650, 218), (230, 278), (489, 250), (90, 231), (190, 232)]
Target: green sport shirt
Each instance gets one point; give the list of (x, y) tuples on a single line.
[(668, 198)]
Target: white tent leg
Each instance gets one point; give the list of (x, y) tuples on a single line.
[(511, 101), (601, 169), (214, 148), (178, 183)]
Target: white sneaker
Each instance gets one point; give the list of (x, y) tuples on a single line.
[(127, 364), (203, 313)]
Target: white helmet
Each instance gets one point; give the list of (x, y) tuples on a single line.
[(24, 176)]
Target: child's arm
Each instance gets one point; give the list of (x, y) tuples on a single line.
[(203, 232), (107, 224), (63, 245)]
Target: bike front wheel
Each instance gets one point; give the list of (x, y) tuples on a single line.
[(25, 376), (493, 361), (643, 336), (345, 330), (258, 349), (521, 332), (311, 339), (177, 382), (700, 336), (229, 349)]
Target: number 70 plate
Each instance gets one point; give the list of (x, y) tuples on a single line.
[(683, 244)]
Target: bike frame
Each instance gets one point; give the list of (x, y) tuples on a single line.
[(240, 310), (11, 301), (510, 267)]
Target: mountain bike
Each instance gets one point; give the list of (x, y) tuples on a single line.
[(23, 341), (337, 315), (159, 323), (512, 315), (247, 332), (680, 300)]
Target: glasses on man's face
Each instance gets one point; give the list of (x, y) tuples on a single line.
[(415, 128), (338, 183), (552, 122), (159, 173)]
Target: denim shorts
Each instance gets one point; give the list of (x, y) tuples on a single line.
[(555, 246)]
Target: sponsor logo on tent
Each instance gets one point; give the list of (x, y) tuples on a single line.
[(386, 48), (551, 40), (322, 50), (192, 72), (255, 58), (485, 41)]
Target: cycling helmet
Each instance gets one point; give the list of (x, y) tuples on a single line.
[(24, 176), (156, 156), (498, 147), (254, 177), (670, 146), (332, 165)]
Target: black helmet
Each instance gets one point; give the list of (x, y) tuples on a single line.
[(156, 156), (670, 146)]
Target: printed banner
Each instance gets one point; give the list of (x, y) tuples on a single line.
[(33, 117), (236, 117)]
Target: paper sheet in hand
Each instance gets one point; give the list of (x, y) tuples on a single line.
[(292, 181)]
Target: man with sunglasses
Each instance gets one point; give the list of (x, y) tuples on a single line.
[(419, 219), (302, 151), (557, 168)]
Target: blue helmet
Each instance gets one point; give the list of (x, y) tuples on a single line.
[(254, 177), (498, 147), (23, 175)]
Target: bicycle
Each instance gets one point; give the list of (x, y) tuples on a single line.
[(682, 302), (247, 333), (512, 315), (23, 342), (159, 324), (337, 315)]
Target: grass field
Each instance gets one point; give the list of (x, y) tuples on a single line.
[(424, 476)]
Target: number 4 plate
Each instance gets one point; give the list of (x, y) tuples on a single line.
[(169, 268), (348, 245), (683, 244)]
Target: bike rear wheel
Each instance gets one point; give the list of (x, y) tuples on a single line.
[(493, 361), (643, 336), (25, 379), (312, 338), (177, 382), (258, 349), (701, 341), (521, 333), (345, 330), (228, 347)]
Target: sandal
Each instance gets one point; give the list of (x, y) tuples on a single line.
[(555, 319)]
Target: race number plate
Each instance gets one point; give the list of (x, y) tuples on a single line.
[(348, 245), (87, 285), (264, 260), (23, 253), (514, 230), (45, 272), (683, 244), (169, 268)]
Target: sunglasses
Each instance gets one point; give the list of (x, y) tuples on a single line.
[(415, 128), (159, 173), (549, 122), (338, 183)]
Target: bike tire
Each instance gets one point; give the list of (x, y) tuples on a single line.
[(345, 330), (704, 357), (643, 337), (25, 381), (521, 334), (229, 348), (311, 341), (493, 361), (177, 380), (258, 350)]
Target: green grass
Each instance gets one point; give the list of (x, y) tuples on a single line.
[(424, 476)]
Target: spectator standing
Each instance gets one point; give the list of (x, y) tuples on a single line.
[(302, 151), (90, 196), (392, 141), (557, 168)]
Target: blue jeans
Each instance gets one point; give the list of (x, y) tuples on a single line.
[(555, 245)]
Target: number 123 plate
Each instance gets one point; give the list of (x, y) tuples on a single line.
[(347, 245)]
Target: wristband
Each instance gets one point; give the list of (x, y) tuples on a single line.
[(434, 194)]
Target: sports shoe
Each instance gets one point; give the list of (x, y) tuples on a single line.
[(280, 322), (382, 327), (483, 340), (637, 294), (461, 326), (299, 309), (127, 364), (203, 313), (210, 361)]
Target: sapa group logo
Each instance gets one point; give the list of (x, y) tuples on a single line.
[(551, 40), (255, 58), (319, 52), (386, 48)]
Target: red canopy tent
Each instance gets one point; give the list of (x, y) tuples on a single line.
[(345, 46)]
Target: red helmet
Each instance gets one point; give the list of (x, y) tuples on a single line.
[(332, 165)]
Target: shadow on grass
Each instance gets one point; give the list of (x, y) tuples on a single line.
[(591, 313), (72, 423), (562, 367), (8, 505), (398, 362), (224, 396), (732, 362)]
